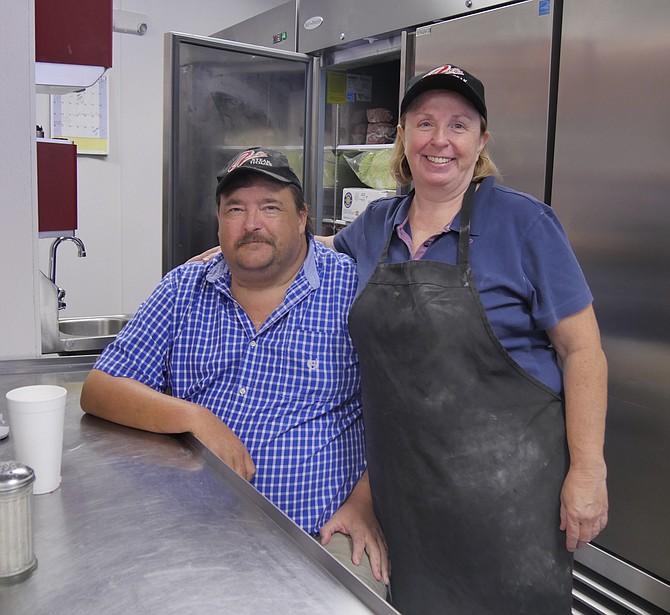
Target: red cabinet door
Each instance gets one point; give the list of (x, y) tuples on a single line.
[(74, 32), (57, 187)]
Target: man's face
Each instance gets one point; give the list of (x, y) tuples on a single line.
[(261, 231)]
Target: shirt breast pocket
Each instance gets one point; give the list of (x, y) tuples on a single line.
[(316, 365)]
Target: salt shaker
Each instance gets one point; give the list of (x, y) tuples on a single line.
[(17, 558)]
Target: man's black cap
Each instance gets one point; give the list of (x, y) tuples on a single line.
[(270, 163)]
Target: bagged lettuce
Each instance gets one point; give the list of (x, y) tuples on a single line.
[(373, 168)]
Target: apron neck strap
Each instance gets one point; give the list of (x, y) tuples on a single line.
[(464, 226)]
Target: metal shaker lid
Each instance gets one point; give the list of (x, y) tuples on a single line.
[(14, 475)]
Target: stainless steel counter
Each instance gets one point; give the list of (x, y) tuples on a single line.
[(156, 524)]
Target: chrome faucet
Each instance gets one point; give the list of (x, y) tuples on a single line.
[(81, 251)]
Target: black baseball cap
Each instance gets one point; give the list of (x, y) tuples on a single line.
[(447, 77), (268, 162)]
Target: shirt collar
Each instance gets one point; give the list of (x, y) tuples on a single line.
[(309, 266), (475, 220)]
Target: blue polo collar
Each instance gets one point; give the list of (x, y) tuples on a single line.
[(475, 221)]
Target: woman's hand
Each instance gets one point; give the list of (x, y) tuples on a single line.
[(205, 256), (326, 240), (583, 506), (584, 494)]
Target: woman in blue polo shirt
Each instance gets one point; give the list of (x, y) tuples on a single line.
[(484, 381)]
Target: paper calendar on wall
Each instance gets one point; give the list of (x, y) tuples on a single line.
[(83, 118)]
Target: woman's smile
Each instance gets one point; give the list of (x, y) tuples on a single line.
[(438, 160)]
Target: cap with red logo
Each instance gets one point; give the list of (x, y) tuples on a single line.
[(447, 77), (270, 163)]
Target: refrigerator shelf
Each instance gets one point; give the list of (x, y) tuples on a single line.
[(363, 148)]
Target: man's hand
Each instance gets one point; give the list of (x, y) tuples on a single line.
[(129, 402), (583, 507), (223, 442), (357, 519)]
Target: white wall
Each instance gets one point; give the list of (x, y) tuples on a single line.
[(120, 195), (19, 315)]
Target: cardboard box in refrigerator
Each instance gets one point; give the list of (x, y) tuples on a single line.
[(355, 200)]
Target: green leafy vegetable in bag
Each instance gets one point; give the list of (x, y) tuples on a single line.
[(373, 168)]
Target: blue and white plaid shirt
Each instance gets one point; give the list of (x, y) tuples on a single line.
[(291, 391)]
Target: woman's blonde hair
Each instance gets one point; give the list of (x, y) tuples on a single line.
[(401, 172)]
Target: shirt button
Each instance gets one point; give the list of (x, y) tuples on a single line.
[(253, 344), (426, 244), (242, 391)]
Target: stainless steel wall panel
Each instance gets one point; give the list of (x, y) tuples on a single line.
[(611, 188)]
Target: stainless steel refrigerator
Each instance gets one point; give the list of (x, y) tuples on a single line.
[(222, 97), (578, 92), (611, 188)]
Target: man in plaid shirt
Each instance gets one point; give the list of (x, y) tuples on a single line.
[(250, 352)]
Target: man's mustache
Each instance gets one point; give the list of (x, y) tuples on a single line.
[(254, 238)]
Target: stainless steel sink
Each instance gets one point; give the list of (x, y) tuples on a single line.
[(69, 336), (94, 326), (90, 334)]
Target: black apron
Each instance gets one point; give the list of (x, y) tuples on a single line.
[(466, 451)]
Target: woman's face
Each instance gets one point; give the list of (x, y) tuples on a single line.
[(442, 139)]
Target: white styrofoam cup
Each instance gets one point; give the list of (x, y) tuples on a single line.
[(36, 415)]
